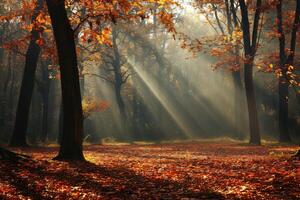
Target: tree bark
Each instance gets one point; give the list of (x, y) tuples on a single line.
[(239, 104), (120, 102), (285, 62), (232, 23), (118, 77), (72, 137), (283, 90), (32, 54), (250, 50), (45, 97), (4, 92)]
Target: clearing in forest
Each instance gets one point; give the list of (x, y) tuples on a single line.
[(167, 171)]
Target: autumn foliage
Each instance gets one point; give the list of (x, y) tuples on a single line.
[(92, 104), (169, 171), (134, 68)]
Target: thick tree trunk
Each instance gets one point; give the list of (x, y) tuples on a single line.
[(32, 55), (72, 138), (250, 50), (60, 123)]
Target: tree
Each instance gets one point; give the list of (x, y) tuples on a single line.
[(32, 54), (113, 63), (72, 136), (120, 77), (227, 45), (250, 46), (43, 86), (286, 61)]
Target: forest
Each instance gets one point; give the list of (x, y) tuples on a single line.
[(150, 99)]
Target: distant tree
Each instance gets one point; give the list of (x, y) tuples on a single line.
[(250, 47), (232, 35), (222, 17), (32, 55), (286, 62), (114, 68), (43, 87), (120, 77)]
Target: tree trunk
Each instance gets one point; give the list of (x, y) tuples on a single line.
[(72, 137), (238, 104), (11, 92), (285, 62), (35, 122), (251, 104), (120, 102), (283, 90), (32, 54), (236, 75), (118, 77), (250, 51), (60, 122), (4, 92), (45, 97), (45, 117), (290, 59)]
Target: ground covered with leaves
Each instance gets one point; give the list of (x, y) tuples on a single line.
[(167, 171)]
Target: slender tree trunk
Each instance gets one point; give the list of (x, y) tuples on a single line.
[(118, 77), (32, 55), (285, 62), (293, 45), (283, 90), (35, 119), (250, 50), (2, 69), (238, 104), (290, 59), (45, 97), (232, 23), (11, 91), (135, 111), (45, 118), (120, 102), (4, 92), (72, 138)]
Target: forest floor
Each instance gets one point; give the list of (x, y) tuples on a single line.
[(169, 171)]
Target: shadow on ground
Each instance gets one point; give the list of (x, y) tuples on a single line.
[(37, 181)]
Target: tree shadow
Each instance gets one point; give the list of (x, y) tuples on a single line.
[(9, 174), (109, 183)]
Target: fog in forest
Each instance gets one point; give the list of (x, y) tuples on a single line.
[(163, 91)]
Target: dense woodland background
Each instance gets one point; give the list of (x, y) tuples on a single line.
[(149, 99), (149, 71)]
